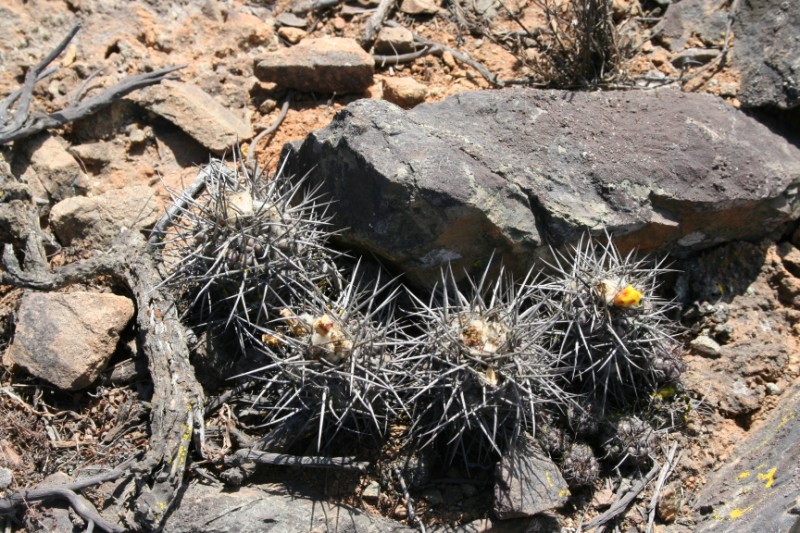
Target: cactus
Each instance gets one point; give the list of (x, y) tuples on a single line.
[(329, 358), (614, 336), (246, 246), (633, 439), (579, 466), (479, 371)]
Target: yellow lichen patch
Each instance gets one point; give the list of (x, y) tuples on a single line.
[(665, 393), (628, 297), (563, 493), (549, 481), (744, 475), (769, 477), (737, 513)]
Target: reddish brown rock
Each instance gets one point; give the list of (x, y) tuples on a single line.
[(68, 338), (323, 65), (195, 112), (405, 92), (94, 221)]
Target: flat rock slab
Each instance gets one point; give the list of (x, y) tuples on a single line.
[(68, 338), (324, 65), (51, 172), (527, 483), (758, 489), (268, 508), (94, 221), (512, 170), (767, 53), (195, 112)]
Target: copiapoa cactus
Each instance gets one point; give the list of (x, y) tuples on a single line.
[(330, 356), (479, 369), (613, 336), (246, 246)]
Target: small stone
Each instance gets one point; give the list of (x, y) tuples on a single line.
[(68, 338), (100, 153), (448, 59), (137, 135), (291, 35), (668, 503), (419, 7), (322, 65), (603, 498), (195, 112), (728, 89), (94, 221), (400, 512), (693, 57), (371, 492), (773, 389), (706, 346), (339, 24), (433, 496), (291, 20), (6, 478), (394, 41), (267, 106), (405, 92), (53, 174), (527, 482)]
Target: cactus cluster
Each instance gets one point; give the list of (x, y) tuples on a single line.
[(466, 369), (247, 245)]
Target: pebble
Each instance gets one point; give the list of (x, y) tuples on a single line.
[(405, 92), (419, 7), (339, 24), (291, 35), (371, 492), (706, 346), (773, 389), (291, 20), (6, 477)]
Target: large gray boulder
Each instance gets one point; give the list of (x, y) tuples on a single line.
[(512, 170), (767, 53), (267, 508)]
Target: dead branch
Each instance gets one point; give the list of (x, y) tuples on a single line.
[(69, 492), (397, 59), (177, 410), (24, 125), (251, 155), (247, 455), (375, 22), (669, 465), (464, 58), (622, 503)]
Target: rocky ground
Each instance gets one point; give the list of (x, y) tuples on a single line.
[(116, 169)]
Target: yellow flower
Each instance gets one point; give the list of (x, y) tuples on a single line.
[(628, 297)]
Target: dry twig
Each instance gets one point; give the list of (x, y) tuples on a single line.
[(23, 124), (622, 503), (375, 22), (177, 398), (69, 491)]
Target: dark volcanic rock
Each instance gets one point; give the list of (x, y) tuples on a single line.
[(527, 482), (512, 170), (267, 508), (757, 490), (767, 53)]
